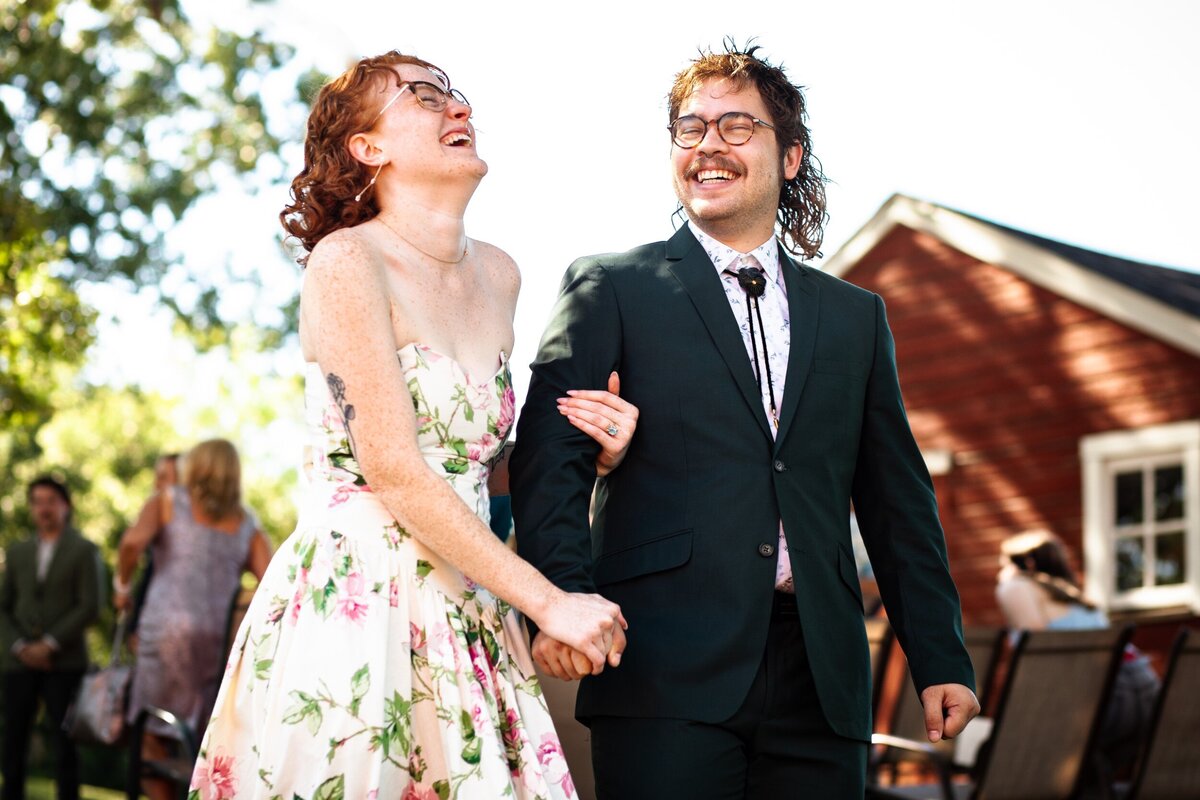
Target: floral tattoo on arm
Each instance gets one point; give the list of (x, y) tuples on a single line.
[(337, 388)]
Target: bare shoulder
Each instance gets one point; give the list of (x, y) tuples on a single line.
[(1017, 586), (500, 267), (344, 256)]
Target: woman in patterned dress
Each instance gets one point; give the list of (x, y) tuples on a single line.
[(203, 538), (382, 656)]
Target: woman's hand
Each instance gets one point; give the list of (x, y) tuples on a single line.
[(605, 417), (589, 624), (122, 601)]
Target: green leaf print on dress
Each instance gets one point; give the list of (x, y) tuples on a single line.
[(367, 666)]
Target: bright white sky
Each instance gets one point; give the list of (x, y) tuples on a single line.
[(1075, 120)]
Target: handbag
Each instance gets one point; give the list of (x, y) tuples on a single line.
[(97, 715)]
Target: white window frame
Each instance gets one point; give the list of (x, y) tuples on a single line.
[(1103, 456)]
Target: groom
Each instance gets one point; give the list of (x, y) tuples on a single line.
[(769, 401)]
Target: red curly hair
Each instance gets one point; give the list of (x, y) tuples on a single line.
[(323, 193)]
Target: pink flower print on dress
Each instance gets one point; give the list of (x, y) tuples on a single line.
[(214, 778), (415, 791), (477, 707), (478, 397), (294, 608), (351, 602), (554, 763), (508, 409), (416, 636), (483, 448), (342, 493), (393, 594), (441, 641), (514, 739)]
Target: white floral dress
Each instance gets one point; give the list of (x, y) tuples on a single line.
[(367, 667)]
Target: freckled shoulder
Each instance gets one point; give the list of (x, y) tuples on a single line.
[(343, 263), (500, 268), (344, 271)]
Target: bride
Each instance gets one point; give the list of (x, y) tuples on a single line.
[(382, 656)]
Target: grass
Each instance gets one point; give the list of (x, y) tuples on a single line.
[(43, 789)]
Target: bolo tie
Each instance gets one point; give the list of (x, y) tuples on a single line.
[(754, 282)]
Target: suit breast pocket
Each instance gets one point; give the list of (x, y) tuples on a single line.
[(665, 552)]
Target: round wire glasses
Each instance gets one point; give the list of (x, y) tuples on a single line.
[(734, 127)]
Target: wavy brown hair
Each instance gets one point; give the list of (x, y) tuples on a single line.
[(323, 193), (801, 214), (212, 475)]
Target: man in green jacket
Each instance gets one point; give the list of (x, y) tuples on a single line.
[(769, 401), (50, 593)]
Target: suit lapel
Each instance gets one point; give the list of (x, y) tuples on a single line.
[(693, 269), (804, 301)]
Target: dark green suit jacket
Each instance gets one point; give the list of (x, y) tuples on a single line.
[(62, 605), (682, 528)]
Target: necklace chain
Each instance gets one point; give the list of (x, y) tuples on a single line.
[(419, 250)]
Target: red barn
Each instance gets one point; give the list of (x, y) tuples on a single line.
[(1049, 386)]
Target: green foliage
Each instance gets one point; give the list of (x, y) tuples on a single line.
[(116, 116)]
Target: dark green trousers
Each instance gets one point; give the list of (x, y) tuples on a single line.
[(776, 746)]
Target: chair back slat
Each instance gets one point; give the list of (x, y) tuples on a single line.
[(879, 642), (1049, 713), (1171, 767), (984, 644)]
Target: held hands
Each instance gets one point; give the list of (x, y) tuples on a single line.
[(568, 664), (578, 635), (948, 709), (36, 655), (605, 417)]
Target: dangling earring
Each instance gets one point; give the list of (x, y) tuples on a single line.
[(358, 197)]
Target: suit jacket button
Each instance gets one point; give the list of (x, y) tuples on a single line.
[(766, 550), (780, 466)]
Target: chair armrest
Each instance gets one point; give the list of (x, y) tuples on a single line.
[(882, 742)]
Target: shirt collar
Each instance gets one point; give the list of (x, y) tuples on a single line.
[(723, 256)]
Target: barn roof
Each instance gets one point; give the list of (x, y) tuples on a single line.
[(1160, 301)]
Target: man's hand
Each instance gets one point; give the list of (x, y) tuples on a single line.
[(568, 664), (948, 709), (36, 655)]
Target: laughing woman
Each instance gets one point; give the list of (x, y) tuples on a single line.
[(382, 656)]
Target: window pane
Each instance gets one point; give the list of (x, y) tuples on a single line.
[(1168, 493), (1130, 564), (1169, 562), (1129, 498)]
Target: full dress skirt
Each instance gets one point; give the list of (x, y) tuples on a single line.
[(366, 666)]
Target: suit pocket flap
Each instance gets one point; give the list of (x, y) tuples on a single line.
[(655, 555)]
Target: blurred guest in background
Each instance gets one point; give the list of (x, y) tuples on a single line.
[(202, 539), (1037, 590), (49, 595), (166, 475)]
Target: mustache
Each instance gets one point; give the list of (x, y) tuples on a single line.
[(712, 162)]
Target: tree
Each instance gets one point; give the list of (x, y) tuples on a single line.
[(115, 117)]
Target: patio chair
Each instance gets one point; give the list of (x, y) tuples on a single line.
[(984, 646), (1170, 766), (176, 768), (879, 641), (1045, 727)]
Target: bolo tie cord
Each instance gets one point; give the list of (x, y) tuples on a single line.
[(753, 281)]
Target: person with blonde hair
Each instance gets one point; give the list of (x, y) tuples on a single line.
[(202, 538)]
